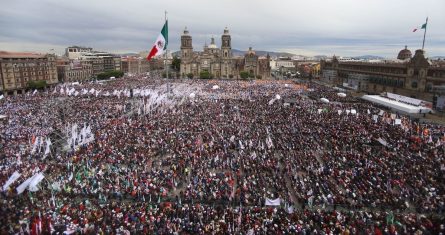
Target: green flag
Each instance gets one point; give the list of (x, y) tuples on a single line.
[(390, 218)]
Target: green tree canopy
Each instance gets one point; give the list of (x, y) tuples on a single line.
[(109, 74), (176, 63), (244, 74), (37, 84), (205, 75)]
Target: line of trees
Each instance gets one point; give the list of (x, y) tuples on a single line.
[(109, 74), (37, 84)]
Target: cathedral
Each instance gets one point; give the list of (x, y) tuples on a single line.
[(220, 62)]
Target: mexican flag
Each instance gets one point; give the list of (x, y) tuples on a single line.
[(161, 43), (421, 27)]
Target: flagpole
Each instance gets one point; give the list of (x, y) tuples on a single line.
[(166, 50), (424, 33)]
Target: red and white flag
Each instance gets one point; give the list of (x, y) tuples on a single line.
[(161, 43)]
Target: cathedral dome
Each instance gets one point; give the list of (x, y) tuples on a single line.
[(212, 44), (186, 32), (250, 51), (404, 54), (226, 31)]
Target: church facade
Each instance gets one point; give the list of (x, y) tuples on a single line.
[(220, 62)]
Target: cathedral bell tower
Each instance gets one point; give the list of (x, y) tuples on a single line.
[(186, 53), (226, 45), (186, 45)]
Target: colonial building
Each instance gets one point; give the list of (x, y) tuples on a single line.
[(219, 62), (101, 61), (135, 65), (75, 52), (19, 70), (74, 70), (416, 77)]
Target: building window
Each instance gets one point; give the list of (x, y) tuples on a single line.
[(414, 84)]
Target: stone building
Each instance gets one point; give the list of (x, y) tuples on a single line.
[(18, 70), (416, 77), (74, 70), (219, 62), (75, 52), (135, 65), (101, 61)]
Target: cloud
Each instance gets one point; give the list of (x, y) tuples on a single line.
[(344, 27)]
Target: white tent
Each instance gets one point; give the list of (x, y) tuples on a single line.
[(341, 94), (396, 105), (324, 100)]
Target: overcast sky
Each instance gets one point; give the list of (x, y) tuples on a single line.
[(315, 27)]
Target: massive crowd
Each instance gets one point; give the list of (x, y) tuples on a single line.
[(150, 156)]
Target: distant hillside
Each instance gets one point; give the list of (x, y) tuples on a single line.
[(320, 57), (368, 57), (437, 58), (237, 52), (129, 54)]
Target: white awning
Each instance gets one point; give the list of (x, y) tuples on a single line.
[(399, 106)]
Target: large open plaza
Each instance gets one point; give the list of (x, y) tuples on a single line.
[(144, 155)]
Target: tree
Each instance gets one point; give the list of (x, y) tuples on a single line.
[(190, 75), (251, 75), (244, 74), (205, 75), (37, 84), (109, 74), (176, 63)]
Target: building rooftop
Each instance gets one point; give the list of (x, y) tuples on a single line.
[(7, 54), (404, 54)]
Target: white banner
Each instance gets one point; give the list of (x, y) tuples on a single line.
[(375, 118), (25, 184), (33, 185), (11, 180), (290, 209), (273, 202), (398, 121)]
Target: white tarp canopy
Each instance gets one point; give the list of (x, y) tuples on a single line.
[(341, 94), (324, 100), (215, 87), (382, 141), (399, 106), (273, 202)]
